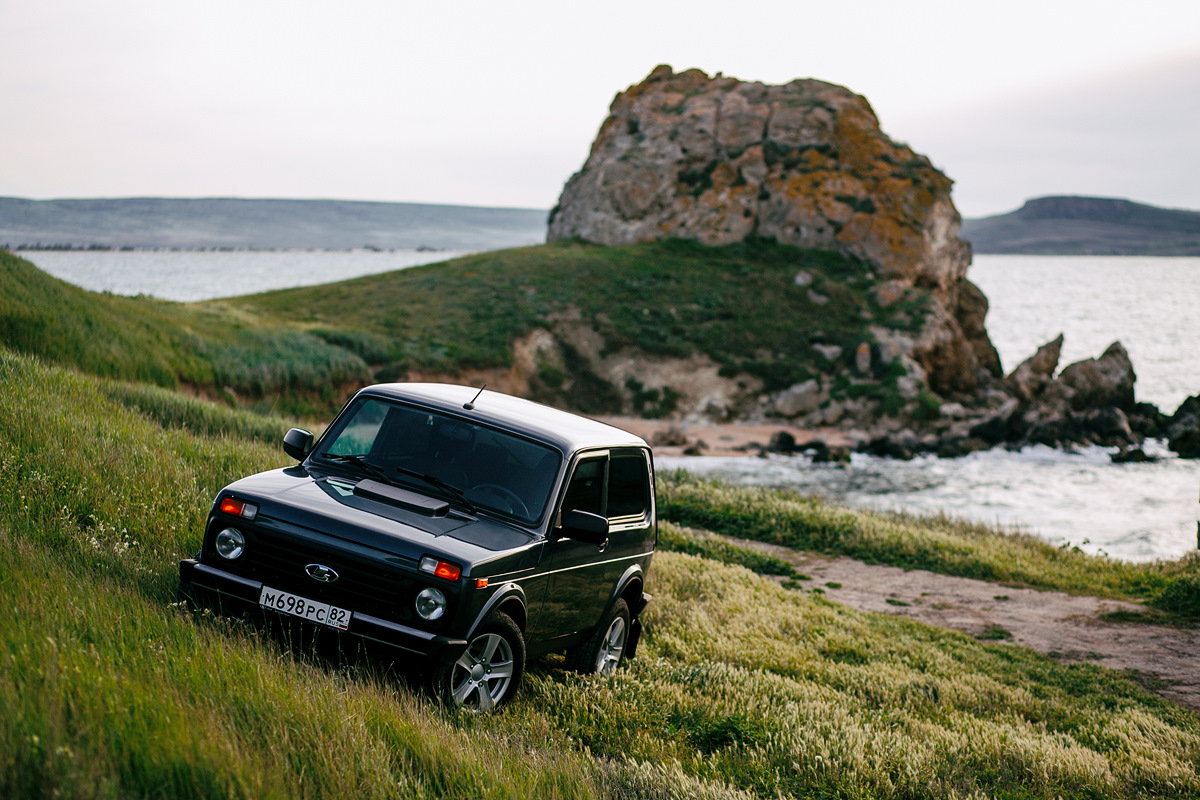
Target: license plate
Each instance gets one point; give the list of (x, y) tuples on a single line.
[(320, 613)]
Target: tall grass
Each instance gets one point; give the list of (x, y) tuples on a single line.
[(741, 689)]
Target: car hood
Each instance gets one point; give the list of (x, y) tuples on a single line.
[(327, 504)]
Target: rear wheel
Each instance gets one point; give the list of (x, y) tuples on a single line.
[(604, 651), (489, 672)]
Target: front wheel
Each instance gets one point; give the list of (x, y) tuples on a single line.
[(488, 673), (604, 651)]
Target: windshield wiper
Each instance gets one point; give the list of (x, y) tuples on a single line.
[(456, 492), (360, 461)]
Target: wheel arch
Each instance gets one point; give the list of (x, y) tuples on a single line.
[(630, 587), (509, 599)]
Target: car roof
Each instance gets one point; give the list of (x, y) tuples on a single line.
[(568, 432)]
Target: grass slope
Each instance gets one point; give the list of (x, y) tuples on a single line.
[(297, 348), (169, 344), (742, 689)]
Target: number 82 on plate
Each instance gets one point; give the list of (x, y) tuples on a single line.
[(297, 606)]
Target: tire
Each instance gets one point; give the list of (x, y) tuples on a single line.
[(488, 673), (604, 651)]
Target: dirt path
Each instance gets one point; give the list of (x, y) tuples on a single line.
[(1065, 627)]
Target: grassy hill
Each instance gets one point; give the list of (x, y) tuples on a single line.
[(302, 350), (1087, 226), (742, 689), (199, 224)]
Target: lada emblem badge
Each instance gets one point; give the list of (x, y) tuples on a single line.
[(322, 573)]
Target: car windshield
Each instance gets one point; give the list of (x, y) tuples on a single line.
[(435, 453)]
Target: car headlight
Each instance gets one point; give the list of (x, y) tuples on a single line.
[(230, 543), (431, 603)]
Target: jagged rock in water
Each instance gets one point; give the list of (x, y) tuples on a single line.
[(1086, 403), (719, 160), (1099, 382), (1183, 429), (1034, 374)]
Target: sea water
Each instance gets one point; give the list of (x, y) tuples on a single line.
[(1129, 511), (1080, 499), (1148, 304), (1137, 512), (189, 275)]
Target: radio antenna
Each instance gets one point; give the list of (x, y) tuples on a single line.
[(470, 405)]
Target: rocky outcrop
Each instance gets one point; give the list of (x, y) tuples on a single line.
[(1035, 373), (719, 160), (1090, 401), (1183, 429)]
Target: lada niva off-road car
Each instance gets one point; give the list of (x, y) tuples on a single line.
[(457, 528)]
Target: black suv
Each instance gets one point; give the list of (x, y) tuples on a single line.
[(464, 529)]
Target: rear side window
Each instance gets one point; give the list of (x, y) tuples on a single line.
[(628, 486), (613, 486)]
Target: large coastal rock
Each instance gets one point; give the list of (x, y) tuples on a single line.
[(719, 160)]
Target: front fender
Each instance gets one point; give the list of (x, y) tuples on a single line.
[(503, 594)]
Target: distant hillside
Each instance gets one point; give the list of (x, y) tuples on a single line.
[(264, 224), (1087, 226), (580, 326)]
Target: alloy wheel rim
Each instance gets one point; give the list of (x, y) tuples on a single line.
[(611, 647), (482, 675)]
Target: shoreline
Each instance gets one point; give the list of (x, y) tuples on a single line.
[(722, 438)]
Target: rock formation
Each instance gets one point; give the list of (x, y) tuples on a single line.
[(1183, 428), (719, 160), (1089, 402)]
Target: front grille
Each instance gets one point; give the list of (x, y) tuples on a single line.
[(279, 561)]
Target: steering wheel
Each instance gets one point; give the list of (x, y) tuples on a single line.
[(516, 505)]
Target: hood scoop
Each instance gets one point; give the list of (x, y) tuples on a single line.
[(401, 498)]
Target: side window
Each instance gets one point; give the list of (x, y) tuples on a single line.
[(628, 486), (585, 492), (627, 483)]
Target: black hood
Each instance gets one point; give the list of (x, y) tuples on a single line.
[(327, 504)]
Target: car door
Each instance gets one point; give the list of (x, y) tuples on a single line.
[(615, 485)]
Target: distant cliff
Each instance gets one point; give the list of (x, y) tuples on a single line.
[(1087, 226), (210, 223)]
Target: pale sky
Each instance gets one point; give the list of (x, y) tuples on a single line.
[(486, 103)]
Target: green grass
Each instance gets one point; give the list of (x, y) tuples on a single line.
[(938, 543), (742, 689), (141, 339), (302, 350), (718, 548), (739, 304)]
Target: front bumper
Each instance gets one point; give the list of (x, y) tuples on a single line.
[(231, 595)]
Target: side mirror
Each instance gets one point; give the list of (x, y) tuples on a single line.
[(585, 526), (297, 443)]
